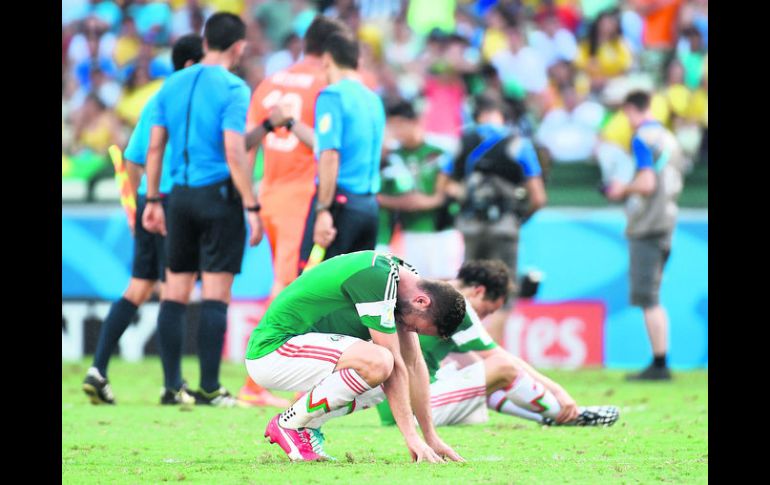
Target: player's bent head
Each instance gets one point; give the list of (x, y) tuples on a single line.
[(321, 29), (342, 50), (492, 274), (187, 48), (447, 306), (222, 30)]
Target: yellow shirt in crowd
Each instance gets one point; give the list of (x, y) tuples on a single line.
[(613, 58)]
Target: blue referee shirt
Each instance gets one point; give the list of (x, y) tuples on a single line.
[(136, 151), (350, 118), (210, 100)]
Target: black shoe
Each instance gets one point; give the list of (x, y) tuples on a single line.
[(597, 416), (651, 373), (97, 388), (182, 396), (220, 398)]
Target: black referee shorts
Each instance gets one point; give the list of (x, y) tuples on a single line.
[(206, 229), (149, 247), (356, 221)]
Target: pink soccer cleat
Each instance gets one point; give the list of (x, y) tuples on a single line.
[(296, 443)]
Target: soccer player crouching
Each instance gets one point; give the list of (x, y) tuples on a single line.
[(345, 330)]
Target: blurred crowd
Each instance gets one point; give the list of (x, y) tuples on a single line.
[(562, 66)]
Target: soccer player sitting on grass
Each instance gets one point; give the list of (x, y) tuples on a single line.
[(342, 329), (495, 378)]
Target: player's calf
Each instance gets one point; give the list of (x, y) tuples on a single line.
[(514, 391)]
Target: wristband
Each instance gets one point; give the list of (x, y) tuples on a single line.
[(268, 125), (255, 208), (151, 200), (319, 207)]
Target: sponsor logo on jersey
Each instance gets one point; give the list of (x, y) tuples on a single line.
[(325, 123)]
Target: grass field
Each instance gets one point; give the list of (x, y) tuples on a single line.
[(662, 436)]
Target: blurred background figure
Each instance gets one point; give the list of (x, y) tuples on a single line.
[(498, 178), (413, 196)]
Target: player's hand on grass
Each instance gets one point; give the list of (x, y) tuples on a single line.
[(569, 408), (324, 231), (444, 450), (153, 218), (420, 451), (255, 228)]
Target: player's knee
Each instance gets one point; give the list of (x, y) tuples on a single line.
[(505, 369), (138, 291), (379, 364)]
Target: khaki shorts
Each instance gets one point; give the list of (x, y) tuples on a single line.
[(648, 257)]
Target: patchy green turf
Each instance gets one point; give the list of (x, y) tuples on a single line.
[(662, 436)]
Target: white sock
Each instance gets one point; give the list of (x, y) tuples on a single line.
[(337, 391), (531, 395), (365, 401), (499, 401)]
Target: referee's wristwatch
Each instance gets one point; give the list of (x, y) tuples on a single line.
[(319, 207), (255, 208)]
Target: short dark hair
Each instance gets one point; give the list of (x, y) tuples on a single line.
[(319, 30), (401, 108), (638, 99), (447, 308), (486, 102), (343, 49), (187, 48), (222, 30), (493, 274)]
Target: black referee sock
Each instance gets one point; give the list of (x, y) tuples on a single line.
[(211, 339), (170, 340), (659, 361), (121, 313)]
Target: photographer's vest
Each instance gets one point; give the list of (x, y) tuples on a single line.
[(656, 214)]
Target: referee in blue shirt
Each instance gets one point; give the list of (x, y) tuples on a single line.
[(149, 263), (201, 112), (349, 126)]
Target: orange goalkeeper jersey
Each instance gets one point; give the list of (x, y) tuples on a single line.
[(289, 166)]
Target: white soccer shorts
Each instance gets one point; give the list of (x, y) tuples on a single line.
[(301, 362), (459, 396)]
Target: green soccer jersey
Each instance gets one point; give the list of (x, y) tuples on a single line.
[(348, 295), (407, 170), (470, 335)]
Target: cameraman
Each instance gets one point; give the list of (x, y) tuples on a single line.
[(498, 178)]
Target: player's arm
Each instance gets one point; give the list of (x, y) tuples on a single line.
[(396, 389), (304, 133), (419, 392), (328, 130), (135, 171), (233, 126), (153, 218), (411, 202), (235, 154)]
